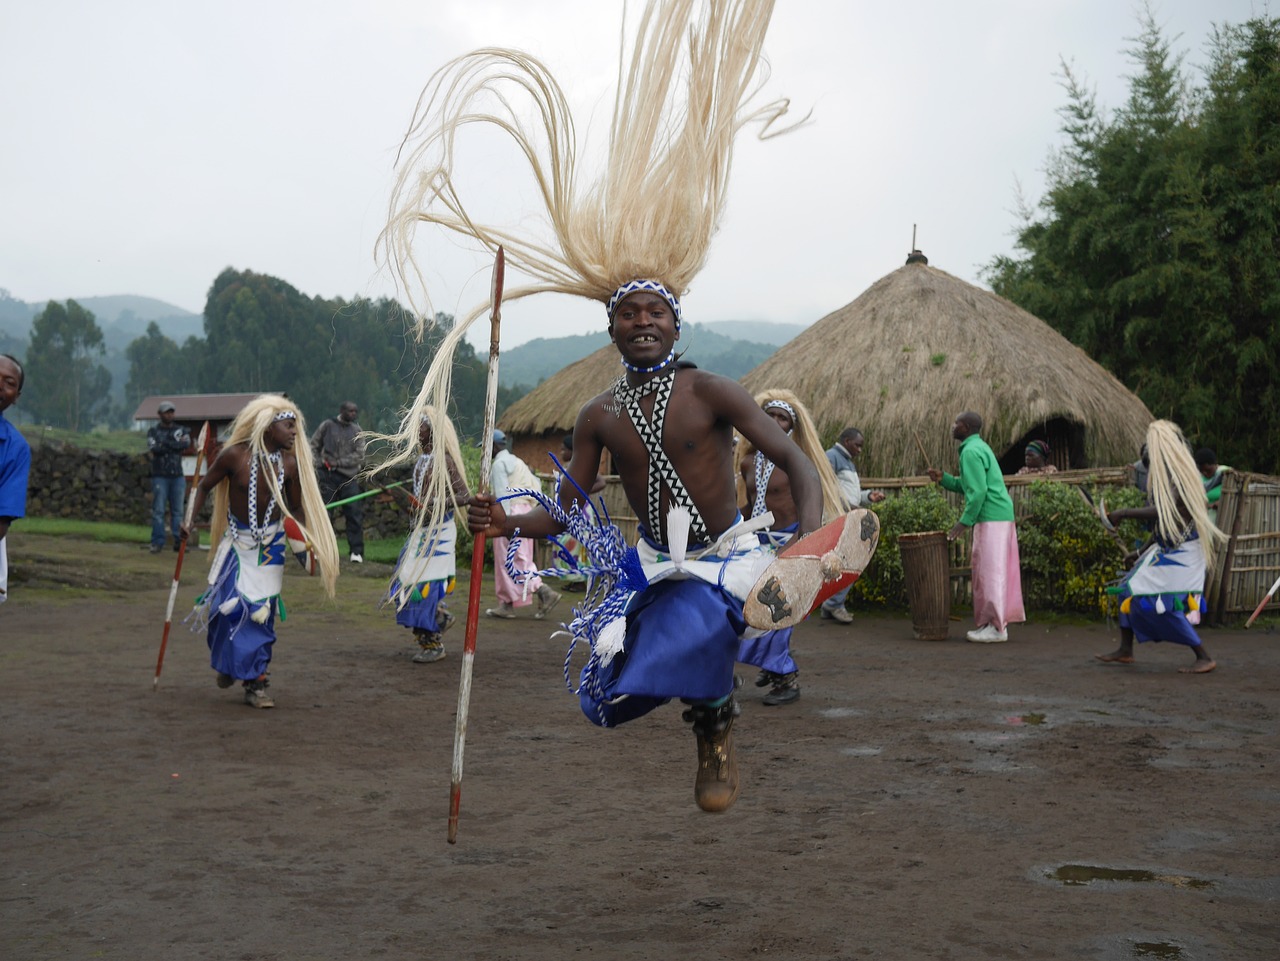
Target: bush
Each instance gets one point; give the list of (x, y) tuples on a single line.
[(1067, 556), (915, 509)]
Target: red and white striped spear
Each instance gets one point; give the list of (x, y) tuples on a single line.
[(477, 551), (182, 550)]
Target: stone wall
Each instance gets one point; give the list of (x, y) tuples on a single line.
[(67, 481)]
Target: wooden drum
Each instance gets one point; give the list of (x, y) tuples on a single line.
[(926, 566)]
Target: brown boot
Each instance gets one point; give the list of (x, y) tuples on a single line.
[(716, 786)]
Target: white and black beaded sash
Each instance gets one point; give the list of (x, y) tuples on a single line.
[(661, 470)]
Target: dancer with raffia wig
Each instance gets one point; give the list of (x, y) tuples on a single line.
[(426, 569), (663, 619), (1161, 597), (768, 490), (261, 479)]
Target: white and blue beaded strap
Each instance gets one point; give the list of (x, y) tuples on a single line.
[(285, 415), (420, 474), (258, 530), (764, 471), (652, 286)]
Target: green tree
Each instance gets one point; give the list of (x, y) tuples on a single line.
[(66, 386), (156, 366), (261, 334), (1154, 248)]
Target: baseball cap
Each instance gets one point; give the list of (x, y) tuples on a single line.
[(498, 438), (165, 406)]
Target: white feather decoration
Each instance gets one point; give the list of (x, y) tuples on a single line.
[(260, 615), (679, 521), (609, 644), (229, 605)]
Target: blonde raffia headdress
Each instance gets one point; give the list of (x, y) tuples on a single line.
[(649, 216), (1177, 489), (250, 427)]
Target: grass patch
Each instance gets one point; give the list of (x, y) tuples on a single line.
[(383, 550), (117, 441), (102, 531)]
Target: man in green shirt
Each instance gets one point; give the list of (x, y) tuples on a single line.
[(988, 509)]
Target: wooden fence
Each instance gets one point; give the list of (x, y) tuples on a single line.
[(1249, 563)]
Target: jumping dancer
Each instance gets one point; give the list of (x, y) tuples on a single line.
[(633, 239)]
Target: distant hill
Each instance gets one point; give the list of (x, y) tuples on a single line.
[(122, 317), (534, 361), (720, 348), (759, 331)]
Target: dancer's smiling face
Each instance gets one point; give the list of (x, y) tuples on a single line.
[(644, 328)]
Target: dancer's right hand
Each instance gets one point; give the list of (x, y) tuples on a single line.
[(486, 516)]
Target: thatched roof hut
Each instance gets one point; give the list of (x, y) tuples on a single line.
[(539, 419), (919, 346)]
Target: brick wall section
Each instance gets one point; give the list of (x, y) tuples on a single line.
[(104, 486)]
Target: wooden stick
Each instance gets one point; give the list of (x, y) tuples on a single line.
[(1258, 610), (182, 550), (477, 551), (927, 465)]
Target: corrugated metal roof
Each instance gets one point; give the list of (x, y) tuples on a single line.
[(195, 407)]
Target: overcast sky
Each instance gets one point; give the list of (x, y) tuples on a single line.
[(149, 145)]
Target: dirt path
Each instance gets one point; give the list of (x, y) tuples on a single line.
[(921, 800)]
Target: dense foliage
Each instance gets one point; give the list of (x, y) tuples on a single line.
[(915, 509), (1067, 556), (1157, 246), (261, 334)]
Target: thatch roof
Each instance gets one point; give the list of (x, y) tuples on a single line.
[(919, 346), (554, 404)]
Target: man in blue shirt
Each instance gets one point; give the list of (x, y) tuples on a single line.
[(15, 463)]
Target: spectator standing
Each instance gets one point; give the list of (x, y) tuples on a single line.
[(15, 463), (1141, 470), (166, 442), (988, 509), (338, 449), (1213, 474), (509, 471), (841, 456), (1035, 459)]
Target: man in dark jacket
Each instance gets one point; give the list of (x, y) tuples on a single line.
[(165, 443), (339, 456)]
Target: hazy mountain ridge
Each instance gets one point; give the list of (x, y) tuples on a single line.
[(121, 317), (729, 347)]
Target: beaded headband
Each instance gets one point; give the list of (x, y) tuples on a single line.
[(653, 286), (781, 405), (285, 415)]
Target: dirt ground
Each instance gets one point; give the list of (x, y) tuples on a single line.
[(921, 801)]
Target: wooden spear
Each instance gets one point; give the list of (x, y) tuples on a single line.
[(477, 551), (182, 550), (1258, 610)]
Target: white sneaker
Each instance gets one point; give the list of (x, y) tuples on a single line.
[(357, 558), (987, 635)]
